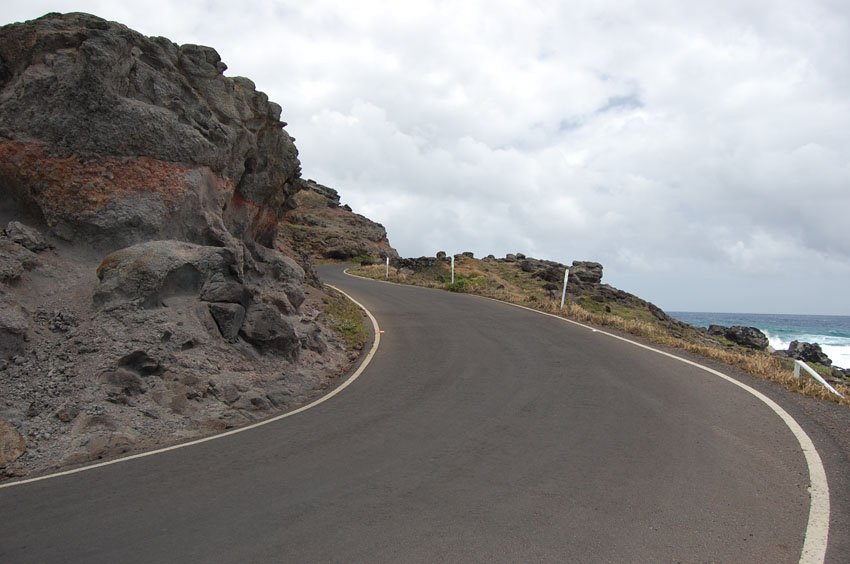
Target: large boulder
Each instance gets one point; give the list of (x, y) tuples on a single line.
[(584, 273), (808, 352), (113, 137), (148, 273), (745, 336), (748, 337)]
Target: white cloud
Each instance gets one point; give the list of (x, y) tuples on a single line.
[(695, 149)]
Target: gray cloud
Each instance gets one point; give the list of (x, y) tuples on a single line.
[(700, 151)]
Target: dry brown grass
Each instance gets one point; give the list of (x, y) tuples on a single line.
[(498, 285)]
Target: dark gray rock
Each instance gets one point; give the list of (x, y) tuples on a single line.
[(717, 330), (229, 318), (808, 352), (528, 265), (550, 274), (270, 332), (510, 257), (79, 85), (26, 237), (141, 363), (414, 264), (441, 255), (750, 337), (584, 273), (218, 290)]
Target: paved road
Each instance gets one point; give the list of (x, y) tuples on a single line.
[(480, 432)]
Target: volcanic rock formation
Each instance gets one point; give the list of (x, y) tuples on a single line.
[(323, 228), (143, 297)]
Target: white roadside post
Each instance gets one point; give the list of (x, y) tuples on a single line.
[(564, 292), (453, 269), (387, 275)]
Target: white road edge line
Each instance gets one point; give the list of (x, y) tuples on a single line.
[(817, 529), (337, 390)]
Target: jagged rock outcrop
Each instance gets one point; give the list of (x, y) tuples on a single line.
[(808, 352), (584, 273), (750, 337), (323, 228), (143, 295), (115, 138)]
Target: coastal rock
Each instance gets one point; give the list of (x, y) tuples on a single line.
[(808, 352), (717, 330), (748, 337)]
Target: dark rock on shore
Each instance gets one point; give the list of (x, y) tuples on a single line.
[(808, 352), (750, 337)]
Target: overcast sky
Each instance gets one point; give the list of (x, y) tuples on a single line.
[(699, 151)]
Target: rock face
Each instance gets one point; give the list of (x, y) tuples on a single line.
[(322, 228), (808, 352), (584, 273), (113, 137), (144, 293)]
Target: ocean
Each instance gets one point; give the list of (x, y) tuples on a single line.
[(831, 332)]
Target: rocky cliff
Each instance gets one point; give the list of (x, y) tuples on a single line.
[(326, 229), (143, 298)]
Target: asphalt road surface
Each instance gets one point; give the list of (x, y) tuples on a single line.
[(480, 432)]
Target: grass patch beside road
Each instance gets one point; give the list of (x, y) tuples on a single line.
[(346, 319)]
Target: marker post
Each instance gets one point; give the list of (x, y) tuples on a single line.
[(564, 292)]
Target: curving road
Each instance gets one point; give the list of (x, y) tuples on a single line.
[(479, 432)]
